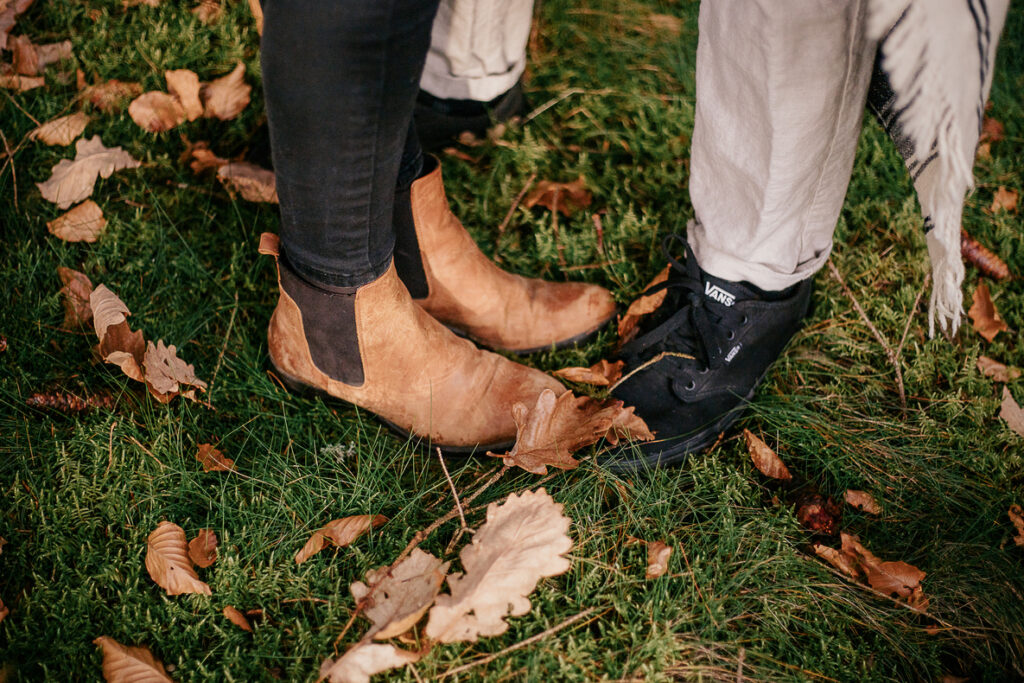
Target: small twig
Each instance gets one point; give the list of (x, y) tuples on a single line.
[(224, 346), (455, 494), (521, 644), (14, 170), (913, 310), (110, 449), (893, 359), (515, 204)]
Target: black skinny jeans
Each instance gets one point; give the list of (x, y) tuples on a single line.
[(340, 79)]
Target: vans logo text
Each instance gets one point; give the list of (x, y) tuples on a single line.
[(718, 294)]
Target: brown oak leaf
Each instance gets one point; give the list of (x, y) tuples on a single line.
[(644, 305), (184, 85), (1004, 200), (202, 549), (167, 375), (765, 459), (984, 316), (62, 130), (237, 618), (523, 540), (254, 183), (363, 660), (126, 664), (862, 501), (601, 374), (658, 554), (84, 223), (1012, 413), (402, 595), (156, 111), (1016, 515), (76, 291), (74, 180), (339, 532), (213, 460), (225, 97), (168, 563), (566, 198), (996, 370)]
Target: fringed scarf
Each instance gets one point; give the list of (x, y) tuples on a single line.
[(932, 80)]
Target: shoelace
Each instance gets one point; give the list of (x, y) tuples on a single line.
[(700, 328)]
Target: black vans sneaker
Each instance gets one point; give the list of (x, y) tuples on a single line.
[(692, 371)]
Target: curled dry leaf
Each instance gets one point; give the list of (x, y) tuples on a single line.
[(1004, 200), (363, 660), (1012, 413), (765, 459), (818, 513), (601, 374), (237, 618), (254, 183), (987, 263), (84, 223), (340, 532), (1016, 515), (202, 549), (168, 563), (552, 429), (213, 460), (644, 305), (522, 541), (838, 559), (156, 111), (891, 578), (200, 157), (73, 181), (167, 375), (30, 59), (118, 344), (996, 370), (124, 664), (862, 501), (62, 130), (225, 97), (184, 85), (76, 291), (208, 11), (658, 554), (403, 595), (110, 96), (9, 11), (984, 316), (566, 198)]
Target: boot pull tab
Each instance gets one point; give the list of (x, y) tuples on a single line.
[(270, 244)]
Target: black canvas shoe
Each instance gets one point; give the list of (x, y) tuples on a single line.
[(439, 121), (694, 367)]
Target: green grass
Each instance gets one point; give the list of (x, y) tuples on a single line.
[(79, 495)]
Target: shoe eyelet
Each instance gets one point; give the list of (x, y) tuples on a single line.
[(731, 335), (704, 371), (745, 320), (691, 385)]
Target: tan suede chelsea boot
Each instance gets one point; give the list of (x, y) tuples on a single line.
[(372, 346), (454, 282)]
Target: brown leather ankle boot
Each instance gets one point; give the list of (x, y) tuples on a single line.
[(454, 282), (372, 346)]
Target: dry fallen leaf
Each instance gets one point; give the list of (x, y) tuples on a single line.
[(200, 157), (237, 618), (118, 345), (202, 549), (1005, 200), (255, 184), (863, 501), (665, 22), (601, 374), (658, 554), (208, 11), (987, 263), (4, 611), (156, 111), (401, 597), (76, 290), (551, 430), (168, 563), (991, 130), (1012, 413), (340, 532), (12, 81), (522, 541), (73, 181), (184, 85), (984, 316), (9, 11), (641, 307), (891, 578), (109, 96), (765, 459), (124, 664), (62, 130), (167, 375), (213, 460), (84, 223), (566, 198), (838, 559), (225, 97), (364, 660), (1016, 515), (996, 370), (818, 513), (30, 59)]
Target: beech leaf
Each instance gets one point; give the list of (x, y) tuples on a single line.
[(76, 290), (1016, 515), (119, 345), (166, 374), (658, 554), (891, 578), (84, 223), (225, 97), (984, 316), (254, 183), (1012, 413), (157, 111), (74, 180), (109, 96), (62, 130), (168, 563), (644, 305), (863, 501), (400, 598), (339, 532), (125, 664), (1005, 200), (21, 83), (838, 559), (522, 541), (364, 660), (201, 157), (996, 370), (765, 459), (202, 549), (213, 460), (237, 618), (601, 374), (183, 84), (566, 198)]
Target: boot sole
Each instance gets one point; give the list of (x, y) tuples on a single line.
[(300, 388), (576, 340)]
